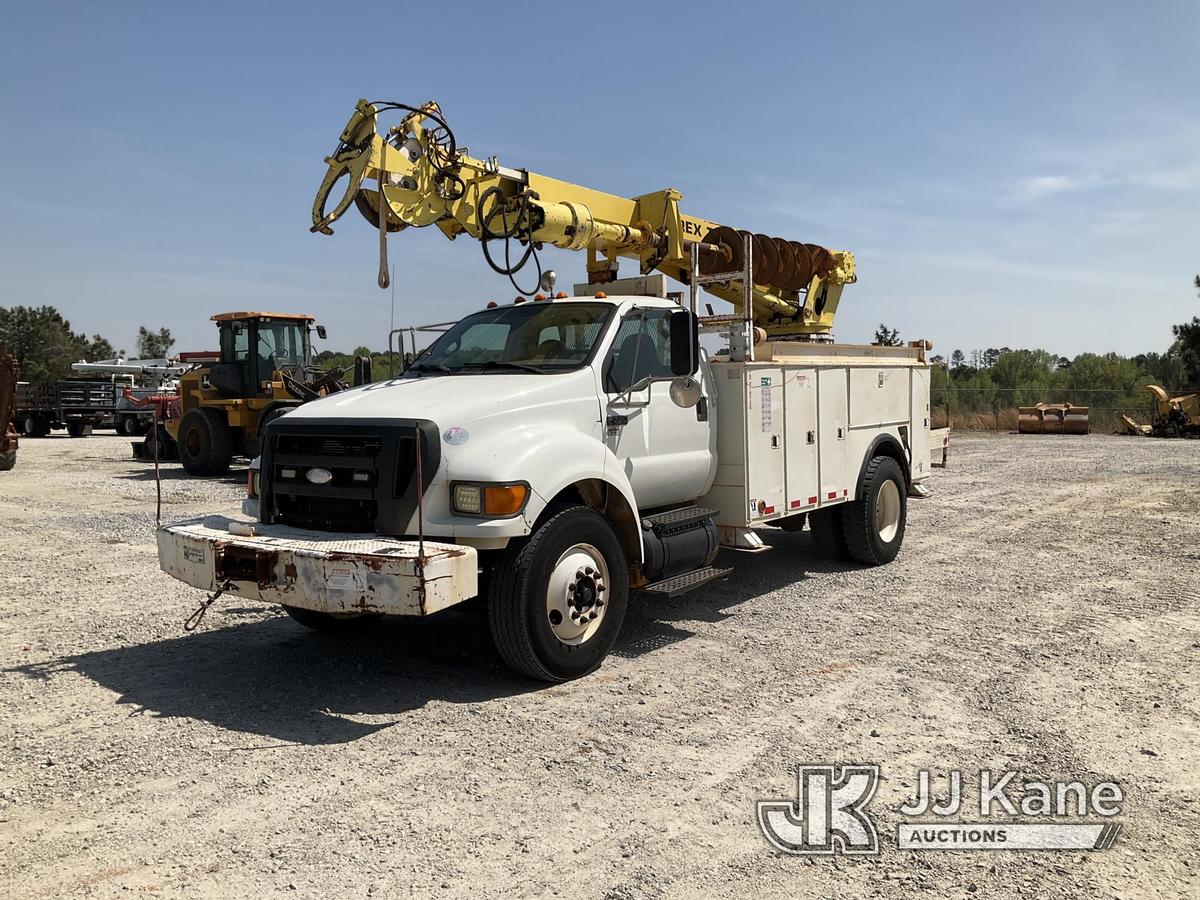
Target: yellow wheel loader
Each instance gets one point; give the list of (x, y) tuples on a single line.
[(265, 368)]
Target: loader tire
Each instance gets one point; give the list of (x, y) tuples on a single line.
[(332, 623), (167, 449), (205, 444), (874, 523), (540, 589), (828, 535), (8, 460)]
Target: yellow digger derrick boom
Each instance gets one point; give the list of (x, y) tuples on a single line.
[(426, 179)]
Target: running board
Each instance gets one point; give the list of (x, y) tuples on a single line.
[(670, 588)]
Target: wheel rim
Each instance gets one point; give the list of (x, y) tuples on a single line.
[(887, 511), (577, 595)]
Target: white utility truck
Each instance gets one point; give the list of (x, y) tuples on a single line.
[(562, 454)]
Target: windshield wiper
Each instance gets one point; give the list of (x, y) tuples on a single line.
[(505, 364), (428, 367)]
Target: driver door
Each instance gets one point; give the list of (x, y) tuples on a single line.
[(665, 450)]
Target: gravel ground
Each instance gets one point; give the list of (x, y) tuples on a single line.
[(1041, 617)]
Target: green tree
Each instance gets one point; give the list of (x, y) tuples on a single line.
[(44, 345), (154, 344), (887, 337)]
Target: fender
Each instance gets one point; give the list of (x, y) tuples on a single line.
[(886, 444), (550, 458)]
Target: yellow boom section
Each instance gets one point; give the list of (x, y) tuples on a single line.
[(425, 179)]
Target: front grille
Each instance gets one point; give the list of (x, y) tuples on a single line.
[(373, 468)]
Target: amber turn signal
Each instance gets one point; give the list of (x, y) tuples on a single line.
[(504, 500)]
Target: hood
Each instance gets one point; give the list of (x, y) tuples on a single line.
[(454, 399)]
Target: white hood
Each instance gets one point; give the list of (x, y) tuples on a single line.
[(455, 399)]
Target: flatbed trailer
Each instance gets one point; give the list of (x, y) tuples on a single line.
[(76, 405)]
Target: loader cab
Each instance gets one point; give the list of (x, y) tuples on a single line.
[(254, 346)]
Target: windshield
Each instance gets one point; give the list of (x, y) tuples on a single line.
[(281, 345), (538, 337)]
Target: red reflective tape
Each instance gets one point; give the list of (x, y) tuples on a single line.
[(832, 495), (768, 510), (794, 504), (812, 500), (845, 492)]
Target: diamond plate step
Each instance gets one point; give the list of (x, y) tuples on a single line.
[(676, 520), (670, 588)]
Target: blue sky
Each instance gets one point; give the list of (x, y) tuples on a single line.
[(1020, 174)]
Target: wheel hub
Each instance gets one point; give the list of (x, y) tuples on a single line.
[(575, 595), (887, 511)]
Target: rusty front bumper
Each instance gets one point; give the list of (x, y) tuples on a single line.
[(318, 570)]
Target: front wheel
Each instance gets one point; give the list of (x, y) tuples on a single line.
[(556, 599), (873, 525), (205, 442), (128, 426)]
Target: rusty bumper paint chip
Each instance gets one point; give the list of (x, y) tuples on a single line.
[(321, 571)]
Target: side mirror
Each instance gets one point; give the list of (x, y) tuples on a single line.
[(685, 343), (321, 332)]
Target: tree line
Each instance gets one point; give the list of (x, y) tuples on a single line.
[(983, 388), (45, 344)]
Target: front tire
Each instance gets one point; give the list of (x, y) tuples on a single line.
[(128, 426), (205, 442), (874, 523), (556, 599)]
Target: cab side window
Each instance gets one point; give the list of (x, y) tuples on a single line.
[(642, 349)]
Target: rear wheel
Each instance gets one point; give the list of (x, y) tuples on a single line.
[(205, 442), (874, 523), (128, 426), (332, 623), (556, 600)]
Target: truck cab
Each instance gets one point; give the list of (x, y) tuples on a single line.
[(559, 455)]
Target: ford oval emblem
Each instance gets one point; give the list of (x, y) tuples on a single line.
[(456, 435), (319, 476)]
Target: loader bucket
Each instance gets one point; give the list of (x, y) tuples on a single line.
[(1075, 420), (1029, 420), (1052, 418)]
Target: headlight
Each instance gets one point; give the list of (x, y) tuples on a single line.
[(252, 479), (492, 500)]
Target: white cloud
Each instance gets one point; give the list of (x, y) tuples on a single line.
[(1044, 185)]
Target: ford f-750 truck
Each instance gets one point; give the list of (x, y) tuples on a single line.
[(560, 457)]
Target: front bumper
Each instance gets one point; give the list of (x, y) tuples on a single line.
[(318, 570)]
